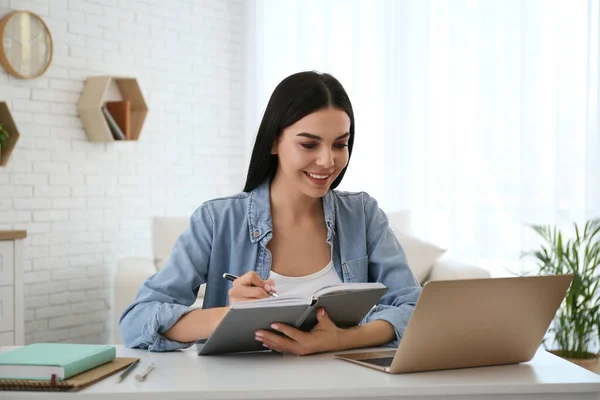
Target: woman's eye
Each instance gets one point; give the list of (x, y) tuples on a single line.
[(338, 146)]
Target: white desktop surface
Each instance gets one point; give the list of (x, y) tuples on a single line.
[(185, 375)]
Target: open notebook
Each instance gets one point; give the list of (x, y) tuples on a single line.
[(294, 300), (346, 304)]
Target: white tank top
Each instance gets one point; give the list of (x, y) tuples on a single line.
[(305, 285)]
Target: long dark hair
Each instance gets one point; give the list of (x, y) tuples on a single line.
[(294, 98)]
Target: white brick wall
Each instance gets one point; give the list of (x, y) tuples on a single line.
[(86, 205)]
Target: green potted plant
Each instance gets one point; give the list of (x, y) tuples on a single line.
[(3, 138), (575, 330)]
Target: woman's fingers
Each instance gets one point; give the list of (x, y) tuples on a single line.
[(249, 287), (270, 282), (245, 293), (251, 278)]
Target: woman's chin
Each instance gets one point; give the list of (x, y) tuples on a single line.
[(316, 189)]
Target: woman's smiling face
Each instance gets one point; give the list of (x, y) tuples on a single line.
[(313, 151)]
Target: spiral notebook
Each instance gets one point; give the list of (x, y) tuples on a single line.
[(72, 384)]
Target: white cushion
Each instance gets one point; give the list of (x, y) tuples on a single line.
[(448, 269), (165, 231), (400, 222), (421, 255)]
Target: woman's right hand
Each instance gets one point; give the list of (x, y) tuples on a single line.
[(250, 287)]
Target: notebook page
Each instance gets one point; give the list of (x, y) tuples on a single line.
[(348, 287), (281, 301)]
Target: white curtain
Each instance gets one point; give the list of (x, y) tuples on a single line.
[(478, 116)]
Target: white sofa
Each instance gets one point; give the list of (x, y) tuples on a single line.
[(426, 260)]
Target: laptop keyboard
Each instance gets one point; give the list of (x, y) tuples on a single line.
[(380, 361)]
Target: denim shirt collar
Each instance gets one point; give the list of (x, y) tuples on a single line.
[(259, 212)]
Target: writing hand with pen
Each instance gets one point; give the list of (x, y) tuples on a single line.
[(325, 336), (250, 287)]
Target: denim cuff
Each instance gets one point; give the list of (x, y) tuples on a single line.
[(165, 317), (396, 316)]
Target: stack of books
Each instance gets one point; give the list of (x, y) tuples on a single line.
[(118, 117), (58, 366)]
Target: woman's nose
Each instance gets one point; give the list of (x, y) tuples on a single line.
[(325, 159)]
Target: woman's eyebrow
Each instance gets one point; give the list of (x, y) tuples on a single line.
[(315, 137)]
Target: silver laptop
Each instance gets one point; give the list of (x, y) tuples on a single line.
[(472, 323)]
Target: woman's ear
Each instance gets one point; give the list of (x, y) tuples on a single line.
[(274, 147)]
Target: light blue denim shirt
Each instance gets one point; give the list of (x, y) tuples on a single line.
[(231, 235)]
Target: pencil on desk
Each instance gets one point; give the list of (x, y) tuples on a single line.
[(128, 370)]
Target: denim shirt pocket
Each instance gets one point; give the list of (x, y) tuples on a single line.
[(356, 270)]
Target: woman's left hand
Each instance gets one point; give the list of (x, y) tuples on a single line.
[(325, 336)]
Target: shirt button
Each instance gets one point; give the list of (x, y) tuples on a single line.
[(256, 234)]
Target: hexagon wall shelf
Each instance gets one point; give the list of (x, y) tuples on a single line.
[(98, 90), (9, 124)]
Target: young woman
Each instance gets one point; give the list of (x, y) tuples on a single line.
[(287, 232)]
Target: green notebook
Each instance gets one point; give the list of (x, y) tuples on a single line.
[(42, 360)]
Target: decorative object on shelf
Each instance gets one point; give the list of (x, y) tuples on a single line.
[(115, 129), (9, 134), (121, 112), (3, 138), (576, 326), (25, 44), (112, 115)]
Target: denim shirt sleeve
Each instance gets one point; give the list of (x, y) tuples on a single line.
[(388, 265), (166, 296)]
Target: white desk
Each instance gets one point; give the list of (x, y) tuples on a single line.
[(184, 375)]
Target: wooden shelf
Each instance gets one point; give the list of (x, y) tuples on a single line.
[(8, 122), (100, 89), (12, 235)]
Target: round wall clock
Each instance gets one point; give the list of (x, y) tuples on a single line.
[(25, 44)]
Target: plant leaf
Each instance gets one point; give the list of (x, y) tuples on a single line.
[(576, 326)]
